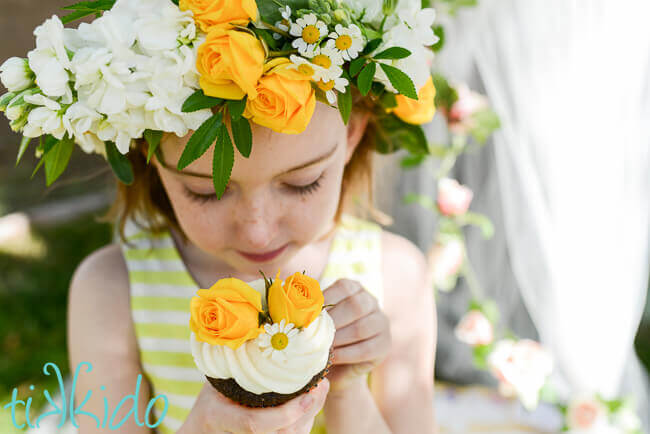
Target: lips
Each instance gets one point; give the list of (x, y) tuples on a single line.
[(262, 257)]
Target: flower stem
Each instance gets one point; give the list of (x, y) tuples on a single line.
[(282, 53), (277, 30)]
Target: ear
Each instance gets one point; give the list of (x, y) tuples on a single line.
[(356, 127)]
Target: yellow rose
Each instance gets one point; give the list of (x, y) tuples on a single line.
[(227, 313), (285, 99), (299, 301), (212, 13), (418, 111), (230, 63)]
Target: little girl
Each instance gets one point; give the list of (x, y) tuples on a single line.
[(285, 207)]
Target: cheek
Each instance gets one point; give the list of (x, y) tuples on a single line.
[(198, 221), (311, 214)]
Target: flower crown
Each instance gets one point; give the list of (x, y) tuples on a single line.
[(144, 67)]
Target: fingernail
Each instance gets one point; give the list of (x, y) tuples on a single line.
[(306, 401)]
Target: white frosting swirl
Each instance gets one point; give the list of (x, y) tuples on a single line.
[(307, 355)]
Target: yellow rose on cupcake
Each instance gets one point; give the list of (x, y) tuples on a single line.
[(285, 99), (230, 63), (209, 14), (299, 300), (418, 111), (227, 313)]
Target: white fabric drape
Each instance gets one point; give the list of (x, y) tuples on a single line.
[(566, 180), (570, 81)]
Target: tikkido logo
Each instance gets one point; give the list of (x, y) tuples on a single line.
[(67, 406)]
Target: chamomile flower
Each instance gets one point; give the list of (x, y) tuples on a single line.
[(285, 23), (306, 67), (310, 31), (338, 83), (346, 40), (276, 340)]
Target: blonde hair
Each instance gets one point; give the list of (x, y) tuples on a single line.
[(145, 201)]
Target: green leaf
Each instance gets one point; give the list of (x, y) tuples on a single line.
[(44, 145), (446, 95), (153, 138), (243, 136), (480, 355), (236, 108), (200, 141), (420, 199), (24, 143), (344, 102), (199, 101), (86, 8), (439, 31), (371, 46), (400, 81), (411, 161), (484, 122), (475, 219), (356, 65), (57, 159), (267, 36), (364, 81), (392, 133), (388, 100), (269, 12), (119, 163), (222, 162), (393, 53)]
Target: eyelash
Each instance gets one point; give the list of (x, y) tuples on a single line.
[(301, 190)]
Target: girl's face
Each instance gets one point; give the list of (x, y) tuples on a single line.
[(281, 198)]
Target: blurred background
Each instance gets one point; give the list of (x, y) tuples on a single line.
[(46, 232)]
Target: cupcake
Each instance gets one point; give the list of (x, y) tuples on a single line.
[(264, 342)]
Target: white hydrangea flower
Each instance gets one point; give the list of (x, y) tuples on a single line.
[(162, 31), (310, 31), (81, 121), (285, 23), (277, 340), (348, 41), (49, 60), (15, 74), (43, 120), (370, 10)]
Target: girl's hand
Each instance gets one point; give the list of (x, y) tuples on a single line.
[(213, 413), (362, 338)]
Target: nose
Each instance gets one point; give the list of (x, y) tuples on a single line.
[(256, 224)]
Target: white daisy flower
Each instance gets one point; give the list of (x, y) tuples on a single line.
[(328, 56), (276, 340), (310, 31), (306, 67), (338, 83), (285, 23), (347, 40)]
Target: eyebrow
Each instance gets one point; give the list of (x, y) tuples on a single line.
[(161, 159)]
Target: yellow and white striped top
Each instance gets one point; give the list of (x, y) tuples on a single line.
[(161, 289)]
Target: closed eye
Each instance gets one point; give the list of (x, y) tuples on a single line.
[(292, 189)]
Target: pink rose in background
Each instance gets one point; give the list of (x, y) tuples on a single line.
[(475, 329), (444, 261), (459, 117), (585, 414), (522, 368), (453, 198)]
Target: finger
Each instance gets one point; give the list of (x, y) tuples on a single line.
[(340, 290), (376, 347), (305, 423), (352, 308), (259, 420), (364, 328)]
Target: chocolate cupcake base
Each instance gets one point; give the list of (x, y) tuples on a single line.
[(229, 388)]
